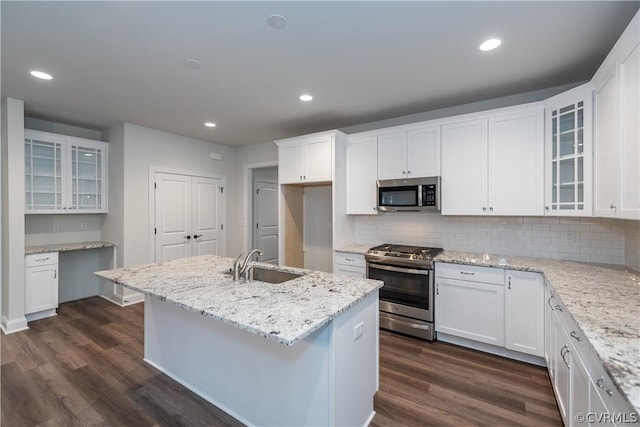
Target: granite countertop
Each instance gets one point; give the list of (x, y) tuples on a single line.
[(285, 313), (63, 247), (603, 300), (354, 249)]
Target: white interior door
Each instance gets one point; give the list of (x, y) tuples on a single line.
[(208, 238), (172, 216), (266, 220), (189, 216)]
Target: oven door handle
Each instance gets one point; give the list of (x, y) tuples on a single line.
[(398, 269)]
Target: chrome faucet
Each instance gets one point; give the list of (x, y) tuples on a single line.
[(240, 267)]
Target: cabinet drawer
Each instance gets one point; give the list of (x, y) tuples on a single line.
[(614, 401), (576, 336), (47, 258), (470, 273), (354, 260)]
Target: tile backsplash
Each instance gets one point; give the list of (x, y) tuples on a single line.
[(632, 245), (597, 240)]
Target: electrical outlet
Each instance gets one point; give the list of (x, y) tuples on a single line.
[(83, 226), (358, 331), (56, 228)]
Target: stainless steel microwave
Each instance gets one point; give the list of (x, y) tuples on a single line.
[(415, 194)]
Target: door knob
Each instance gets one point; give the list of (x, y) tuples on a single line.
[(195, 236), (187, 237)]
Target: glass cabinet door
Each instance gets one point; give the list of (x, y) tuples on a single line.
[(86, 178), (43, 175), (569, 153)]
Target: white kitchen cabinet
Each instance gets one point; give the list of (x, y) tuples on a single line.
[(617, 124), (568, 147), (362, 172), (349, 264), (524, 312), (64, 174), (306, 159), (409, 154), (549, 331), (464, 165), (470, 306), (41, 285), (494, 165)]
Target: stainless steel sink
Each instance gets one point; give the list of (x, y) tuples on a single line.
[(270, 276)]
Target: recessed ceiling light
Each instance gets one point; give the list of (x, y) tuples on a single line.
[(306, 97), (41, 75), (490, 44), (210, 124), (277, 21), (192, 63)]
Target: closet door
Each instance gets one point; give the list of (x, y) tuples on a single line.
[(172, 216)]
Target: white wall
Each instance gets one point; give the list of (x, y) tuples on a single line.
[(318, 214), (576, 239), (13, 203), (145, 148)]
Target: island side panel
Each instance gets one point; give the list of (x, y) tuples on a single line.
[(256, 380), (355, 362)]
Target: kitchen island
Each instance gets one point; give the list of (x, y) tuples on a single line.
[(302, 352)]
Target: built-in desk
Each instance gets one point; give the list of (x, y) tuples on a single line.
[(73, 274)]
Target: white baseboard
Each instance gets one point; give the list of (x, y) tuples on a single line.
[(12, 326), (41, 315), (492, 349)]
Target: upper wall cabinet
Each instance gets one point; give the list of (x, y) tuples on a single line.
[(568, 150), (617, 124), (64, 174), (362, 155), (306, 159), (409, 154), (494, 165)]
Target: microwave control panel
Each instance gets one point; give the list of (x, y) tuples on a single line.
[(429, 195)]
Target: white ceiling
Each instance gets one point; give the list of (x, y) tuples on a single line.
[(362, 61)]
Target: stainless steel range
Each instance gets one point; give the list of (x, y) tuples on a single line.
[(407, 298)]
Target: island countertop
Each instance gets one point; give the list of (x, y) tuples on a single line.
[(604, 300), (285, 313)]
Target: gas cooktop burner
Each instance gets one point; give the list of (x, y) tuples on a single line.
[(414, 254)]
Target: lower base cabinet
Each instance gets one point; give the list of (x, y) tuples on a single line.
[(584, 391), (349, 264), (41, 283)]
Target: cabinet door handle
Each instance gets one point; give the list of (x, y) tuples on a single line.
[(575, 336), (437, 290), (563, 352), (549, 302), (558, 307), (350, 259), (195, 236), (509, 278), (55, 274), (468, 273), (42, 259), (600, 384)]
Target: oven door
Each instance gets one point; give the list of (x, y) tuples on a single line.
[(406, 291)]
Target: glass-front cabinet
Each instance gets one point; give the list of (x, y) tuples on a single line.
[(64, 174), (568, 148)]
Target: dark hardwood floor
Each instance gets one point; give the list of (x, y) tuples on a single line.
[(84, 367)]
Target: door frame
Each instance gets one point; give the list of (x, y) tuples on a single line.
[(152, 201), (254, 230), (247, 200)]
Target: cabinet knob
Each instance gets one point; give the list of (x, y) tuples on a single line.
[(491, 208), (612, 206), (404, 172), (408, 172), (484, 209), (546, 208)]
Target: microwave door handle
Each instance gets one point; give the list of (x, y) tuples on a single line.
[(398, 269), (420, 187)]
